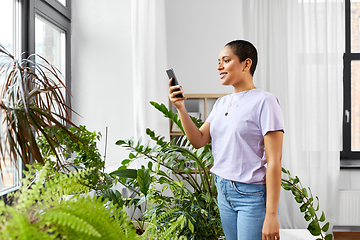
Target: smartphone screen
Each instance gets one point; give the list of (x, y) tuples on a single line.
[(174, 82)]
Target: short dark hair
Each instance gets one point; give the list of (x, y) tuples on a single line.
[(244, 49)]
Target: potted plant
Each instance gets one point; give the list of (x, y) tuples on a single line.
[(193, 193), (31, 102), (41, 209), (168, 162), (77, 152)]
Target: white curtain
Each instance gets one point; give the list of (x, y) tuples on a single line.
[(300, 44), (149, 65)]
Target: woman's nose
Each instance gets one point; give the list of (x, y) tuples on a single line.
[(220, 66)]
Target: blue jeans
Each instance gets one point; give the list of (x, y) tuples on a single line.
[(242, 209)]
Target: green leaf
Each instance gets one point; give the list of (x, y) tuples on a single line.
[(307, 216), (322, 218), (311, 211), (125, 161), (329, 237), (141, 201), (318, 205), (304, 207), (191, 226), (286, 186), (163, 180), (132, 156), (164, 188), (325, 228), (127, 173), (304, 191), (144, 180), (313, 228), (150, 165), (298, 198), (120, 142)]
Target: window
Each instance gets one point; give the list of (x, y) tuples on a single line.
[(10, 39), (45, 30), (350, 154)]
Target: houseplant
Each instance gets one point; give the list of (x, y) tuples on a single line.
[(31, 101), (193, 193), (77, 152), (173, 157), (54, 205), (42, 209)]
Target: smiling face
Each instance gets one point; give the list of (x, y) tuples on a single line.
[(231, 70)]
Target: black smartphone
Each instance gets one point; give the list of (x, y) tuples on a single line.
[(174, 82)]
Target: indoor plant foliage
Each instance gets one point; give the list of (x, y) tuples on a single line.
[(306, 199), (31, 101), (196, 200), (193, 189), (50, 205), (77, 152), (55, 205)]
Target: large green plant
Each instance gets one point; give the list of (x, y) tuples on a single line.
[(49, 205), (31, 101), (193, 192), (78, 151), (174, 157), (54, 205)]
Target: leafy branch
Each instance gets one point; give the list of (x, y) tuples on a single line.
[(302, 196), (292, 184)]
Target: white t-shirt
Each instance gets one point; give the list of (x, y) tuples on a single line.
[(238, 138)]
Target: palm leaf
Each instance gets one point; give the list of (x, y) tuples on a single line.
[(32, 100)]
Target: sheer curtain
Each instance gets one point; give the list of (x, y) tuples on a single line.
[(300, 44), (149, 65)]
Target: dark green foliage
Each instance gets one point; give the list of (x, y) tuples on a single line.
[(306, 199), (80, 151), (193, 192), (44, 210)]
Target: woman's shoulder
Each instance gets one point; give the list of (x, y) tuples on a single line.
[(264, 95)]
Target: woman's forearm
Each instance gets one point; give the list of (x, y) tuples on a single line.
[(197, 137), (273, 186)]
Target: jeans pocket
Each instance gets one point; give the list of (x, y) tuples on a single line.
[(249, 189)]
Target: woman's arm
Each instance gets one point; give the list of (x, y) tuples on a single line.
[(273, 142), (197, 137)]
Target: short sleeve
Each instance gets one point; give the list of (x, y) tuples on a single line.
[(271, 118)]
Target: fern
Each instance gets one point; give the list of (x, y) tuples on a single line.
[(42, 212)]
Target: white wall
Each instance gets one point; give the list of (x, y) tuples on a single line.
[(102, 71), (196, 32)]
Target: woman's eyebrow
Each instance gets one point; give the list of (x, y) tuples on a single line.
[(223, 57)]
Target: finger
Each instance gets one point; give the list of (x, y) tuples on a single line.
[(170, 81)]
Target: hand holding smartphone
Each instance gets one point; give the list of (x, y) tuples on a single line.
[(174, 82)]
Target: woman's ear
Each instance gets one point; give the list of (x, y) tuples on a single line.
[(247, 64)]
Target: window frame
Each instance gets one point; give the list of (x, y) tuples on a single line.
[(60, 16), (349, 158)]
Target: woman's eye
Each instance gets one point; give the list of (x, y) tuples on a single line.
[(226, 60)]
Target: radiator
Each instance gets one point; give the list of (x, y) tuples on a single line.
[(349, 210)]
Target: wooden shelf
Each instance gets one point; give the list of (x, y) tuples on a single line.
[(204, 106)]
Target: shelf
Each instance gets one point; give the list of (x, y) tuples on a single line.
[(196, 104)]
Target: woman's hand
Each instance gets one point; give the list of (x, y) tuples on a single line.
[(270, 229), (173, 92)]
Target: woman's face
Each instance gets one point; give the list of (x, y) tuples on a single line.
[(230, 69)]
